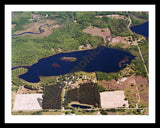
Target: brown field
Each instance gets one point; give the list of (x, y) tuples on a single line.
[(113, 99), (103, 32), (112, 84), (27, 102), (116, 16), (135, 88), (118, 39), (106, 34), (123, 83)]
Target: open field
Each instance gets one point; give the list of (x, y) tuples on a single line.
[(116, 16), (113, 99), (105, 32), (28, 102)]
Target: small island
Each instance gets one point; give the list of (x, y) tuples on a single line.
[(71, 59), (56, 65)]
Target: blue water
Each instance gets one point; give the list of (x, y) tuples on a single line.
[(100, 59), (80, 106), (141, 29)]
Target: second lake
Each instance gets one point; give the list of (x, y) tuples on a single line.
[(141, 29)]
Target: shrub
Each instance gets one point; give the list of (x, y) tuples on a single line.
[(125, 98), (73, 111), (132, 106), (111, 110), (103, 112), (67, 112)]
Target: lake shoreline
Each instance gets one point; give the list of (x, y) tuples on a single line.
[(63, 52), (89, 61)]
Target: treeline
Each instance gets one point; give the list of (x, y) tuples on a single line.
[(136, 21), (106, 76), (143, 15)]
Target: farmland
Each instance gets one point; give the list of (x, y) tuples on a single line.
[(52, 97), (28, 102), (113, 99), (87, 93)]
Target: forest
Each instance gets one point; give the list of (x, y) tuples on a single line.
[(106, 76)]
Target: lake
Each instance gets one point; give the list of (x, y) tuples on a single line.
[(99, 59), (141, 29)]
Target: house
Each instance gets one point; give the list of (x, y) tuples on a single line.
[(46, 15)]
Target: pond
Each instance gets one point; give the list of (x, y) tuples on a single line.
[(99, 59), (141, 29), (80, 106)]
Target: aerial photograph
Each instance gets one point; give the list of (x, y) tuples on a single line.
[(80, 63)]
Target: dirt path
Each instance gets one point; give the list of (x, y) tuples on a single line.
[(63, 100), (137, 95)]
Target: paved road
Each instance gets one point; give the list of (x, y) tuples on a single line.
[(142, 59), (97, 109), (130, 21)]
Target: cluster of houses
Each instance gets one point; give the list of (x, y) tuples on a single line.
[(73, 81), (88, 46)]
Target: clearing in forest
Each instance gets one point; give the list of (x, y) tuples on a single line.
[(103, 32)]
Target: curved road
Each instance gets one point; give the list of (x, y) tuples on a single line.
[(130, 21)]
